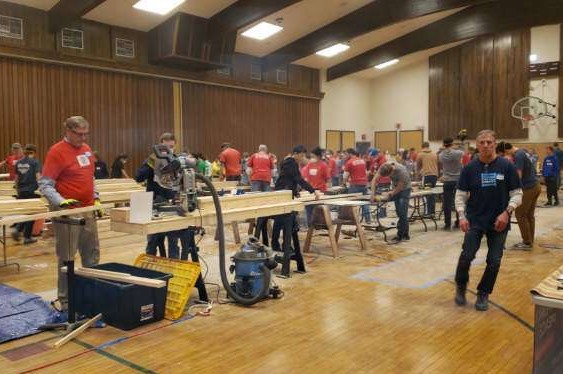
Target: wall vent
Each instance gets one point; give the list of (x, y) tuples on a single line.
[(72, 38), (11, 27)]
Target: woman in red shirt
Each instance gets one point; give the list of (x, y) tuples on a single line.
[(317, 174)]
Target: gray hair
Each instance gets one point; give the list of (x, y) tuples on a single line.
[(76, 122), (486, 132), (262, 147)]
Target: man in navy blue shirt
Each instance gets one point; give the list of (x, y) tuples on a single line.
[(525, 214), (488, 191)]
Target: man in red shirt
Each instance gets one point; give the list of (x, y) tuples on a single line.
[(230, 163), (332, 168), (317, 175), (68, 181), (11, 160), (355, 172), (259, 167)]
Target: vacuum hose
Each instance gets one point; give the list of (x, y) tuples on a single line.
[(221, 235)]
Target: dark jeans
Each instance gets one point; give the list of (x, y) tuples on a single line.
[(154, 242), (382, 187), (355, 188), (231, 178), (430, 181), (335, 181), (26, 227), (260, 186), (551, 185), (402, 208), (449, 202), (471, 244)]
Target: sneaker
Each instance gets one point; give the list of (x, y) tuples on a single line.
[(29, 241), (460, 295), (523, 246), (482, 302), (16, 235), (395, 240)]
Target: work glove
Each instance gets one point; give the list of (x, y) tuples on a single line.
[(69, 203), (100, 208)]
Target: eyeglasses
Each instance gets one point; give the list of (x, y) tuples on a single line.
[(80, 134)]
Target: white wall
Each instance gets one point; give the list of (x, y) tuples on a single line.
[(346, 106), (546, 45), (402, 96)]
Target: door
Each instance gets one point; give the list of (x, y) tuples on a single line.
[(386, 141), (411, 139)]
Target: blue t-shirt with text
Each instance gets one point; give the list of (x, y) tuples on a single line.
[(488, 186)]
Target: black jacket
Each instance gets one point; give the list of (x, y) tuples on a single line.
[(290, 177)]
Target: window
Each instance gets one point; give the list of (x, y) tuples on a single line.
[(11, 27), (224, 71), (256, 72), (281, 76)]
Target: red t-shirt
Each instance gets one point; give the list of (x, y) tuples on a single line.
[(316, 173), (357, 169), (230, 157), (72, 169), (261, 165), (466, 158), (11, 161), (332, 168)]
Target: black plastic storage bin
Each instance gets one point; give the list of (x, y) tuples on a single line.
[(123, 305)]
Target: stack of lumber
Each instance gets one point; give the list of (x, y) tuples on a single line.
[(4, 176), (117, 190), (235, 209), (16, 207), (7, 188)]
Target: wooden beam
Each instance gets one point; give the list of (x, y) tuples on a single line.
[(243, 13), (370, 17), (485, 19), (65, 12), (118, 277), (78, 331)]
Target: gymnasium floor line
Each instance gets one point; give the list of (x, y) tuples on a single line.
[(100, 349), (505, 310)]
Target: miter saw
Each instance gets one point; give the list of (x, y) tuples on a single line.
[(253, 263)]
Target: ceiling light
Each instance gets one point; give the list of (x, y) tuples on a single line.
[(533, 58), (386, 64), (262, 31), (161, 7), (333, 50)]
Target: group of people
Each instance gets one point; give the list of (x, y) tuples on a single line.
[(483, 192)]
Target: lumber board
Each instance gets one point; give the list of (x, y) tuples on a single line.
[(309, 199), (78, 331), (119, 277), (99, 182), (17, 218), (115, 197), (178, 223), (4, 176), (205, 203)]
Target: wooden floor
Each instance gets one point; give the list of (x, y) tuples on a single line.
[(387, 310)]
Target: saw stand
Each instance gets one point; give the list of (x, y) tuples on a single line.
[(71, 324)]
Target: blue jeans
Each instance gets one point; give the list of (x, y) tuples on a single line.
[(383, 187), (335, 181), (355, 188), (260, 186), (402, 208), (430, 181), (471, 244)]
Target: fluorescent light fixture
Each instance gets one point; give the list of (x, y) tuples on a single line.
[(386, 64), (161, 7), (262, 31), (333, 50), (533, 58)]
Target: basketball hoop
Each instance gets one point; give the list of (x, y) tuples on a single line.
[(530, 109)]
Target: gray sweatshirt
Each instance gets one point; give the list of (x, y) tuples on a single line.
[(450, 160)]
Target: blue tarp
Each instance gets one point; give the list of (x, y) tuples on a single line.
[(21, 313)]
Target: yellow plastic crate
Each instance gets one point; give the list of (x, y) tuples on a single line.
[(180, 286)]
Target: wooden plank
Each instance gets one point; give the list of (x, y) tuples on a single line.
[(179, 223), (59, 213), (78, 331), (120, 277)]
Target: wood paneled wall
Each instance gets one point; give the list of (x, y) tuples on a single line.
[(213, 115), (127, 113), (473, 86)]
